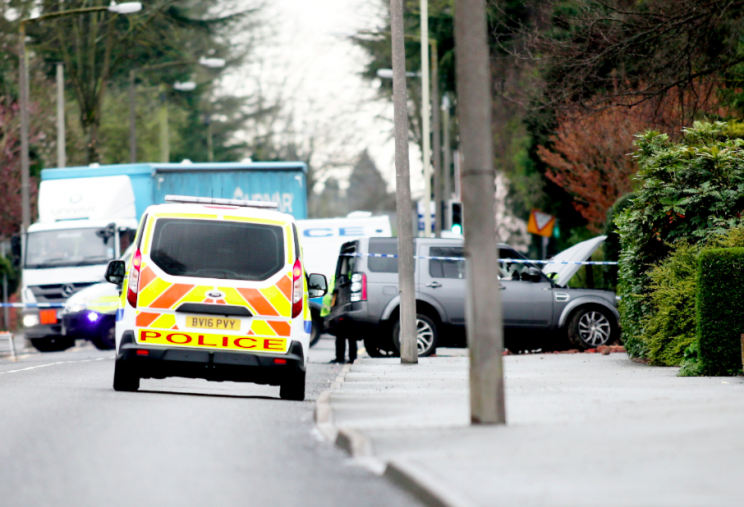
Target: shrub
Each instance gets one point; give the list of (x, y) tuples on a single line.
[(688, 191), (611, 245), (720, 320), (669, 328)]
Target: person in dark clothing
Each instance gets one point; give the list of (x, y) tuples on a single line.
[(341, 349)]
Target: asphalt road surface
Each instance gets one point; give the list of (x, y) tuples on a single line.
[(67, 439)]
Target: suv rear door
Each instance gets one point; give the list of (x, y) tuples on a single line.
[(444, 279)]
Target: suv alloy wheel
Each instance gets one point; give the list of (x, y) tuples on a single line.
[(591, 327), (426, 335)]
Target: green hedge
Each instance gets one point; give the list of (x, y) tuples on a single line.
[(720, 310)]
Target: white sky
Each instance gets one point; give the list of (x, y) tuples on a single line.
[(310, 62)]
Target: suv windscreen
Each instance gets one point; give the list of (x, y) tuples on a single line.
[(383, 246), (216, 249), (68, 247)]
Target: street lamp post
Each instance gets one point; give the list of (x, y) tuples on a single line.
[(425, 112), (124, 8), (61, 148)]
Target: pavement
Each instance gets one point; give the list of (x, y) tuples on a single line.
[(583, 430), (68, 439)]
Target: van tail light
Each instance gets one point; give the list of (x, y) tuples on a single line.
[(134, 278), (358, 287), (296, 289)]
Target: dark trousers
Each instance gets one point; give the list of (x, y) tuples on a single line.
[(341, 348)]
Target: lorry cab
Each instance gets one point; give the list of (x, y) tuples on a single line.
[(216, 289), (83, 224)]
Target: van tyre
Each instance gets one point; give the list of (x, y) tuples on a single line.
[(317, 329), (124, 378), (426, 335), (591, 327), (293, 387), (53, 344), (106, 338)]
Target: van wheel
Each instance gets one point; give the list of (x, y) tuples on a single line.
[(55, 344), (293, 387), (426, 335), (124, 378), (591, 327), (317, 329), (106, 339)]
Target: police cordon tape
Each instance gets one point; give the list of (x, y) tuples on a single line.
[(513, 261)]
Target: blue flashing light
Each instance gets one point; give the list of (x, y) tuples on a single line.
[(92, 316)]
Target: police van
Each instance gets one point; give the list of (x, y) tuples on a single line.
[(216, 289)]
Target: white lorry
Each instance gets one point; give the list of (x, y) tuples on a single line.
[(83, 224)]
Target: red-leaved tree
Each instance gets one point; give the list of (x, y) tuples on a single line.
[(10, 167), (590, 154)]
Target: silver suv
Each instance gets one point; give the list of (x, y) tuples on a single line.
[(365, 300)]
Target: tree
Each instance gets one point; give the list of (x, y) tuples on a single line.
[(367, 188), (590, 156), (99, 48)]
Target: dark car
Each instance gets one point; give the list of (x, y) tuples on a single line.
[(366, 302)]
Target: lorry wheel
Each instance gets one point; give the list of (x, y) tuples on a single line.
[(106, 338), (293, 387), (591, 327), (124, 378), (54, 344), (426, 335)]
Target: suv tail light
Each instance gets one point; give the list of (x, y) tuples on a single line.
[(296, 289), (358, 287), (134, 278)]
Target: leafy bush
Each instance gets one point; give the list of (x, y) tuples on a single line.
[(720, 320), (688, 191), (611, 245), (669, 329)]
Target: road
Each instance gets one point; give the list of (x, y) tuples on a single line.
[(68, 439)]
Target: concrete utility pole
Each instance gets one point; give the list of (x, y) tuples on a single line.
[(425, 112), (406, 286), (61, 148), (484, 311), (436, 129)]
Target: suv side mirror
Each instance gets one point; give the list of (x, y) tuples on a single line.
[(115, 272), (317, 286), (534, 274)]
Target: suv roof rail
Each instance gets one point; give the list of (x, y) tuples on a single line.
[(187, 199)]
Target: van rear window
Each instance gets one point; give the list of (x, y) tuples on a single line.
[(217, 249)]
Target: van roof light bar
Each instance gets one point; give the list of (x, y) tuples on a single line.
[(187, 199)]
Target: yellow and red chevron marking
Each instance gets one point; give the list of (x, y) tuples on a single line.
[(272, 301)]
